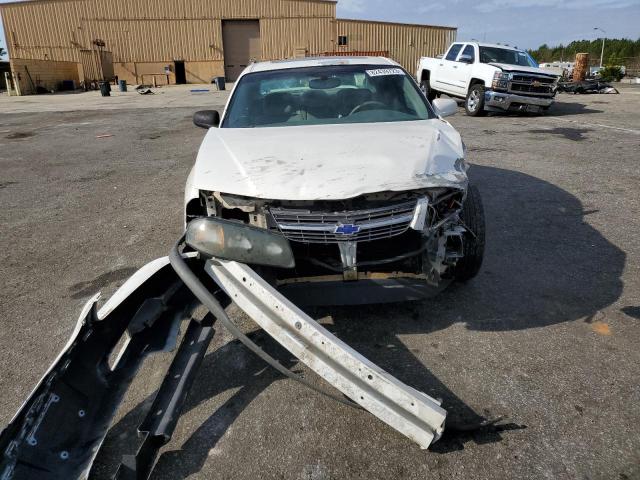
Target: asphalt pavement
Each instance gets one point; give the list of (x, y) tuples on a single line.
[(546, 338)]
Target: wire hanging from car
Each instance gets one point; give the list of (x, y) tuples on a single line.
[(203, 294)]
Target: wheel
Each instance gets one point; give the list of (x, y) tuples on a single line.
[(474, 104), (427, 90), (473, 248)]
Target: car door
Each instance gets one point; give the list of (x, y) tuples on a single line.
[(443, 81), (461, 70)]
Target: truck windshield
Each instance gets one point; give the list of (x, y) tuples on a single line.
[(333, 94), (506, 56)]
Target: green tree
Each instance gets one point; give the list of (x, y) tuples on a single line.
[(617, 50), (3, 52)]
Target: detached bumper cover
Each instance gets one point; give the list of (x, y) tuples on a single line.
[(59, 429), (505, 101)]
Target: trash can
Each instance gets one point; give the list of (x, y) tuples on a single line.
[(105, 89), (123, 85), (219, 81)]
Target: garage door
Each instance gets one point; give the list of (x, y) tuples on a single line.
[(241, 44)]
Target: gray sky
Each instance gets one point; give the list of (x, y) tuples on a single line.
[(525, 23)]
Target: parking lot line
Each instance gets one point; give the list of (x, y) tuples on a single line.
[(587, 124)]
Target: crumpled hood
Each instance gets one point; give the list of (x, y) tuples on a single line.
[(516, 68), (330, 162)]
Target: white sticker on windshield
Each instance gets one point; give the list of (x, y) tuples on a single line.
[(381, 72)]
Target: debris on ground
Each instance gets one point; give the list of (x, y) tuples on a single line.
[(144, 89), (586, 86)]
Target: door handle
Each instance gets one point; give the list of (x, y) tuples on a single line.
[(455, 66), (441, 64)]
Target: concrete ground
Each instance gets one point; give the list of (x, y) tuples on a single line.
[(546, 337)]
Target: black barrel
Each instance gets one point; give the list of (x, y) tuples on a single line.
[(105, 89), (123, 85), (220, 84)]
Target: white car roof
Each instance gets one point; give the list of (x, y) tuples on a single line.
[(317, 62)]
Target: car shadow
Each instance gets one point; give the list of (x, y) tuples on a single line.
[(544, 265), (562, 109), (558, 109)]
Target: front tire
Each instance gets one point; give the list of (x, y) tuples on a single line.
[(427, 90), (474, 103), (474, 239)]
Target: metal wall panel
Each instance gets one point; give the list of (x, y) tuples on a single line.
[(284, 38), (136, 30), (31, 74), (405, 43)]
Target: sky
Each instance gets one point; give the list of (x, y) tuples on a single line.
[(523, 23)]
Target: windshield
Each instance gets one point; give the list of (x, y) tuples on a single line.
[(333, 94), (509, 57)]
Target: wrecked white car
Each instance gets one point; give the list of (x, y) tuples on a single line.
[(347, 159), (322, 173)]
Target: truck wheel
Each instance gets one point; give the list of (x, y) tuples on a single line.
[(427, 90), (474, 104), (473, 248)]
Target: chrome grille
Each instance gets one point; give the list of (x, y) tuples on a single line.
[(309, 226), (532, 78), (531, 84)]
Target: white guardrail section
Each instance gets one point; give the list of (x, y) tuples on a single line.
[(409, 411)]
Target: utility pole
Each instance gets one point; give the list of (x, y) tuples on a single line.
[(603, 39)]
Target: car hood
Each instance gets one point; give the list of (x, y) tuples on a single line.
[(518, 68), (330, 162)]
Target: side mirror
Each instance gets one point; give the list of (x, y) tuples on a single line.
[(206, 119), (465, 59), (445, 107), (440, 55)]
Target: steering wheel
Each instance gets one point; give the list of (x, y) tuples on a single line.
[(369, 105)]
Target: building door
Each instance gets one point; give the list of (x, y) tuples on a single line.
[(97, 65), (241, 44), (106, 59), (181, 74)]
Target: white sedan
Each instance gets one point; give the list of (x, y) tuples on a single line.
[(347, 159)]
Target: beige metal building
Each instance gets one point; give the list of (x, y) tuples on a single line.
[(190, 41)]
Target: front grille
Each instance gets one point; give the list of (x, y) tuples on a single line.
[(531, 84), (532, 78), (309, 226), (528, 88)]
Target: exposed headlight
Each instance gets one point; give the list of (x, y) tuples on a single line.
[(500, 81), (228, 240)]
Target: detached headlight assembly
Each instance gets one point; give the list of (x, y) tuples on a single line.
[(229, 240), (500, 81)]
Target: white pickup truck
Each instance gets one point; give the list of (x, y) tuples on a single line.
[(489, 78)]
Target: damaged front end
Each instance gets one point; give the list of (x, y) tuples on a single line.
[(58, 431), (359, 250)]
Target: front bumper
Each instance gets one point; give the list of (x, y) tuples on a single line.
[(509, 101)]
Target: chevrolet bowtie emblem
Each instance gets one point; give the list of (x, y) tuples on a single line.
[(347, 229)]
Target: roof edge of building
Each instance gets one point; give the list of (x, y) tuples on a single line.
[(20, 2), (358, 20)]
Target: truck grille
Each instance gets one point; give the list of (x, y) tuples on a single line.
[(357, 226), (531, 84)]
